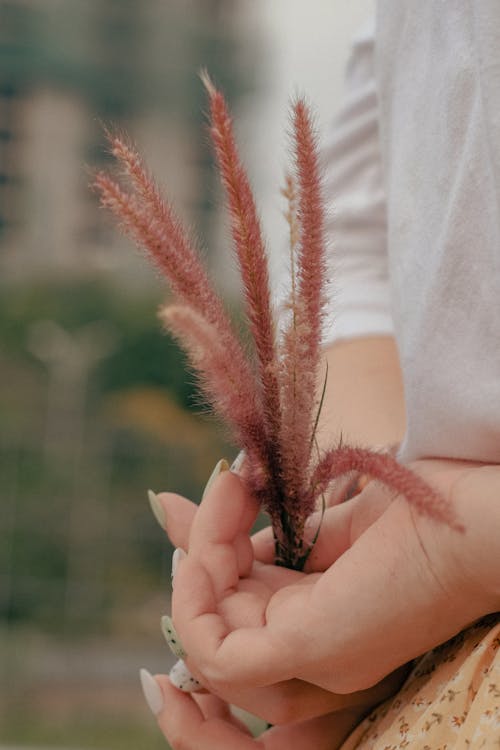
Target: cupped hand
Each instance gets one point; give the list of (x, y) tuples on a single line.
[(187, 527), (397, 584)]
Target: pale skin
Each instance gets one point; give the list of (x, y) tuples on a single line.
[(309, 651)]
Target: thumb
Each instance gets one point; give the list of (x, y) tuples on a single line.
[(336, 529), (383, 602), (339, 526)]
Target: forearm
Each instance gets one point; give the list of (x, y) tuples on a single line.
[(364, 399)]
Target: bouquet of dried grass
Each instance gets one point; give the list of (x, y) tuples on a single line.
[(269, 400)]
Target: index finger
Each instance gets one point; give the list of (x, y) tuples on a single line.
[(226, 510), (219, 532)]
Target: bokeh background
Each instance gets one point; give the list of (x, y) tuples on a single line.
[(95, 404)]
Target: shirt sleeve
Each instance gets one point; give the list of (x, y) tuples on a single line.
[(359, 302)]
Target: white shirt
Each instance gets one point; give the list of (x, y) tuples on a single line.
[(413, 175)]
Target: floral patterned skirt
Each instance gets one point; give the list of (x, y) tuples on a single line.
[(450, 701)]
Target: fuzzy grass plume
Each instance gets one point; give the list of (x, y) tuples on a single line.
[(269, 401)]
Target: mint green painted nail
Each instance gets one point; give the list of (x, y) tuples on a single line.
[(173, 640)]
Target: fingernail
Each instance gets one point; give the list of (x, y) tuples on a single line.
[(238, 462), (178, 555), (157, 509), (152, 692), (173, 640), (220, 466), (181, 678)]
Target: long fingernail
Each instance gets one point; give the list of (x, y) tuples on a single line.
[(157, 509), (152, 692), (238, 462), (220, 466), (181, 678), (178, 555), (173, 640)]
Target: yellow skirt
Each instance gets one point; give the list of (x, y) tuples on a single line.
[(450, 701)]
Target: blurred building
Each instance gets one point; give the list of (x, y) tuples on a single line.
[(65, 65)]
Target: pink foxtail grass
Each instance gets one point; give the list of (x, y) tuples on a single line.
[(252, 260), (269, 401), (301, 343), (219, 375), (152, 224)]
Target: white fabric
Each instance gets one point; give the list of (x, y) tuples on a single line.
[(357, 219), (413, 165)]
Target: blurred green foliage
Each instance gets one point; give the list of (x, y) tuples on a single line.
[(144, 355), (137, 433)]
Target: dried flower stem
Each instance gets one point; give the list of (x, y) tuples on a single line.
[(153, 225), (290, 193), (301, 339), (383, 467), (272, 409), (312, 253), (252, 257), (220, 376)]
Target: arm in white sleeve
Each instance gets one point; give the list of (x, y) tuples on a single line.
[(356, 220)]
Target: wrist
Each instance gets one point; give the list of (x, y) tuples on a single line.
[(478, 501), (468, 563)]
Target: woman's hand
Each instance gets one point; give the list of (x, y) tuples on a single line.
[(285, 701), (397, 584), (205, 722)]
